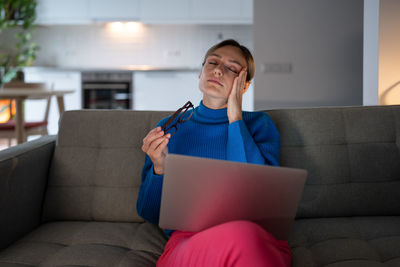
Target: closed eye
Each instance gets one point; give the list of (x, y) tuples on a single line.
[(232, 70)]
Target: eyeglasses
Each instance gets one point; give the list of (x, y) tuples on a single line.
[(180, 114)]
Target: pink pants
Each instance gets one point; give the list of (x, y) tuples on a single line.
[(237, 243)]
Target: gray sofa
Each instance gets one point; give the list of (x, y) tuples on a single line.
[(71, 200)]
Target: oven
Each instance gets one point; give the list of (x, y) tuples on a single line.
[(107, 90)]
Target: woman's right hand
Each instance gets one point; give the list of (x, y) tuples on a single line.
[(155, 146)]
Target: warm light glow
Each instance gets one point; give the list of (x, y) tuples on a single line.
[(115, 26), (124, 28), (139, 67), (389, 53), (133, 26), (5, 114)]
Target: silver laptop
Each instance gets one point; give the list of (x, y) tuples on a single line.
[(199, 193)]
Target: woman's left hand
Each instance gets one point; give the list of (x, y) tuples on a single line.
[(235, 97)]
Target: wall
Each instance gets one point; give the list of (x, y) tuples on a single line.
[(389, 52), (371, 52), (121, 45), (323, 42)]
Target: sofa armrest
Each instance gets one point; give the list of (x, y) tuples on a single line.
[(23, 177)]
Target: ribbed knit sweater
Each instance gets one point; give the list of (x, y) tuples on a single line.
[(208, 133)]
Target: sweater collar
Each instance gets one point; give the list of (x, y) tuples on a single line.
[(205, 114)]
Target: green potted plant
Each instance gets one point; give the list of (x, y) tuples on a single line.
[(19, 16)]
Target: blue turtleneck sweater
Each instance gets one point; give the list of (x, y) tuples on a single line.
[(208, 133)]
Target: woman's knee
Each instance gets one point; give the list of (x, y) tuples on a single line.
[(242, 226), (243, 232), (251, 241)]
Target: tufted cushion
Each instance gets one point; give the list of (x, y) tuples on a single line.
[(96, 168), (346, 242), (352, 155), (87, 244)]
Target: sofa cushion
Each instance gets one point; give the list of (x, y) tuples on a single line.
[(87, 244), (346, 242), (96, 168), (352, 155)]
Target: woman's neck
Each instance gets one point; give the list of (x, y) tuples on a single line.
[(214, 103)]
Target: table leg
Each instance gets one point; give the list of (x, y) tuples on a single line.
[(19, 120), (60, 102)]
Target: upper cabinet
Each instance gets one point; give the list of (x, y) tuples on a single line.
[(86, 11), (232, 11), (61, 11), (197, 11), (146, 11), (162, 11), (116, 10)]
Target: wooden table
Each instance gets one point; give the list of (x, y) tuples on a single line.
[(21, 94)]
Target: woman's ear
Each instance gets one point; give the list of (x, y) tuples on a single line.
[(200, 73), (246, 86)]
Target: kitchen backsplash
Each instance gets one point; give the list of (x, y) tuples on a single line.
[(121, 45)]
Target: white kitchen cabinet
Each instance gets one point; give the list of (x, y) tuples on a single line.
[(62, 12), (161, 11), (146, 11), (86, 11), (246, 10), (232, 11), (165, 90), (211, 9), (197, 11), (169, 90), (116, 10), (69, 80)]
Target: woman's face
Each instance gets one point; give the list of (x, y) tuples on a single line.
[(219, 71)]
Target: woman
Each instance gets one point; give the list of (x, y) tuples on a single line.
[(217, 129)]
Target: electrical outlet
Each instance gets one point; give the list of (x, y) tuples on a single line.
[(172, 53), (276, 68)]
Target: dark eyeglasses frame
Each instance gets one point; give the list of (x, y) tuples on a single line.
[(180, 112)]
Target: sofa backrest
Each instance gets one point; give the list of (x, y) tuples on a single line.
[(352, 155), (96, 169)]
